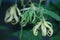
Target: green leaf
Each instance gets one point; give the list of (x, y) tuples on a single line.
[(52, 14)]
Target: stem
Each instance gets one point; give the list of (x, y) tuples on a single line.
[(41, 10), (24, 9), (21, 33), (39, 3), (22, 3)]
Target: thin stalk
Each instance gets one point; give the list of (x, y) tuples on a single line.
[(22, 3), (39, 3), (21, 33), (24, 9), (41, 10)]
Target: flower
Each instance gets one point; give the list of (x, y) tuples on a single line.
[(45, 26), (11, 15)]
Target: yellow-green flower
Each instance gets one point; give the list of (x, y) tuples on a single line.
[(45, 27), (11, 15)]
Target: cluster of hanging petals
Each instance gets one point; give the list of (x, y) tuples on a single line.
[(11, 15), (46, 28)]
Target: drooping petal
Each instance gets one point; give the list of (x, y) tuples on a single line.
[(13, 13), (50, 30), (8, 16), (9, 20), (16, 19), (35, 32), (49, 24), (35, 29), (38, 25), (19, 13), (43, 29)]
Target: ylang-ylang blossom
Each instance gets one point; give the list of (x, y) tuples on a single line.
[(11, 15), (45, 27)]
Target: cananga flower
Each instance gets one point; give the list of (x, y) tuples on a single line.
[(45, 26), (11, 15)]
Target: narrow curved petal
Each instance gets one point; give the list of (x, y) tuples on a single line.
[(43, 29), (35, 32), (9, 20), (49, 24), (38, 25), (8, 17), (50, 30), (13, 13), (35, 29), (16, 19), (19, 13)]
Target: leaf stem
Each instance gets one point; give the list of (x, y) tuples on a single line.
[(21, 33)]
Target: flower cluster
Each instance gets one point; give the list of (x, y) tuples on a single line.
[(29, 15), (11, 15), (45, 26)]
